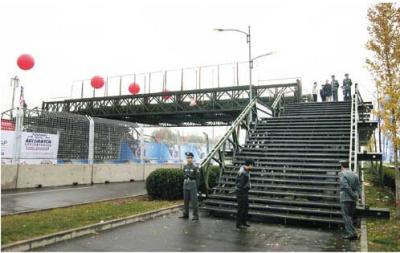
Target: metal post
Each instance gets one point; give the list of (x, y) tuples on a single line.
[(82, 89), (237, 73), (120, 85), (218, 76), (14, 82), (150, 82), (250, 72), (91, 140), (106, 88), (199, 77), (182, 80)]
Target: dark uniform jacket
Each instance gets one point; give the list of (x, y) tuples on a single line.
[(191, 177), (350, 187), (335, 85), (243, 181)]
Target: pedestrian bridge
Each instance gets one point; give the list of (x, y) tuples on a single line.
[(197, 107)]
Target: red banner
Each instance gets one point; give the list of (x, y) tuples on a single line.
[(7, 124)]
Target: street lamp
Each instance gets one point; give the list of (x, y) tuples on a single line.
[(251, 60), (248, 40)]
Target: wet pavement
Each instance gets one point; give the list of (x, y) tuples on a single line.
[(36, 199), (169, 233)]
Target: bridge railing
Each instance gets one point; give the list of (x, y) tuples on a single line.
[(218, 153)]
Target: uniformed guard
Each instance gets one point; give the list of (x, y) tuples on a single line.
[(242, 193), (347, 88), (191, 177), (328, 91), (350, 192), (335, 87)]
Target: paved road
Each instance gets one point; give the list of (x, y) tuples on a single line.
[(27, 200), (169, 233)]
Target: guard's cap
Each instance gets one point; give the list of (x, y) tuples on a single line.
[(189, 154), (344, 163), (248, 162), (346, 74), (332, 75)]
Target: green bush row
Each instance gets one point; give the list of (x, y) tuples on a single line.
[(167, 184)]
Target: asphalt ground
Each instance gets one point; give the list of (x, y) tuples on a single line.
[(37, 199), (169, 233)]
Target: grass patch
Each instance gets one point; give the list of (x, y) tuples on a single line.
[(24, 226), (383, 235)]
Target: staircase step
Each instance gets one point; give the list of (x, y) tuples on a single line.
[(292, 154), (257, 177), (305, 150), (290, 209), (270, 168), (281, 193), (296, 164), (307, 159), (286, 175), (284, 187), (256, 199), (292, 145), (277, 215), (301, 141), (297, 137)]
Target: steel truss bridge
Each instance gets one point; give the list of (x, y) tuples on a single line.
[(200, 107)]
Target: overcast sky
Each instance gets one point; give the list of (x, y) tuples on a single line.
[(73, 40)]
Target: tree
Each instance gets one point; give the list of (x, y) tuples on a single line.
[(384, 44)]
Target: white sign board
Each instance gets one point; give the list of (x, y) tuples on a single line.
[(39, 148), (7, 144)]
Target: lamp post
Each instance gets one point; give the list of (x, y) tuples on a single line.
[(248, 41), (14, 82), (251, 60)]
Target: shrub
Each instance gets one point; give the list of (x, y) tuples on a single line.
[(212, 179), (165, 184)]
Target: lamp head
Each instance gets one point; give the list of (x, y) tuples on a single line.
[(218, 30)]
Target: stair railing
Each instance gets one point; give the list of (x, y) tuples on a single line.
[(277, 104), (217, 154), (354, 136)]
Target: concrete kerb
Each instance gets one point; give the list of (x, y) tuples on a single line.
[(363, 228), (42, 241)]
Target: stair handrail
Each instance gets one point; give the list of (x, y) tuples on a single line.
[(221, 142), (278, 100), (354, 145), (254, 106)]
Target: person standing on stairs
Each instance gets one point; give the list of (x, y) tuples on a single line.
[(328, 91), (347, 88), (315, 91), (191, 179), (242, 193), (350, 192), (335, 87), (322, 93)]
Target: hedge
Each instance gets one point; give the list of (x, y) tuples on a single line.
[(167, 184)]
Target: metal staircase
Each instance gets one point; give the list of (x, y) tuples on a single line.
[(296, 150)]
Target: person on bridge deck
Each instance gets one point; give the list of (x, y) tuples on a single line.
[(242, 193), (191, 177), (328, 91), (347, 88), (322, 93), (350, 192), (315, 91), (335, 87)]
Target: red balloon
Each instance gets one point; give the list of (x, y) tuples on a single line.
[(97, 82), (134, 88), (25, 61), (166, 95)]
